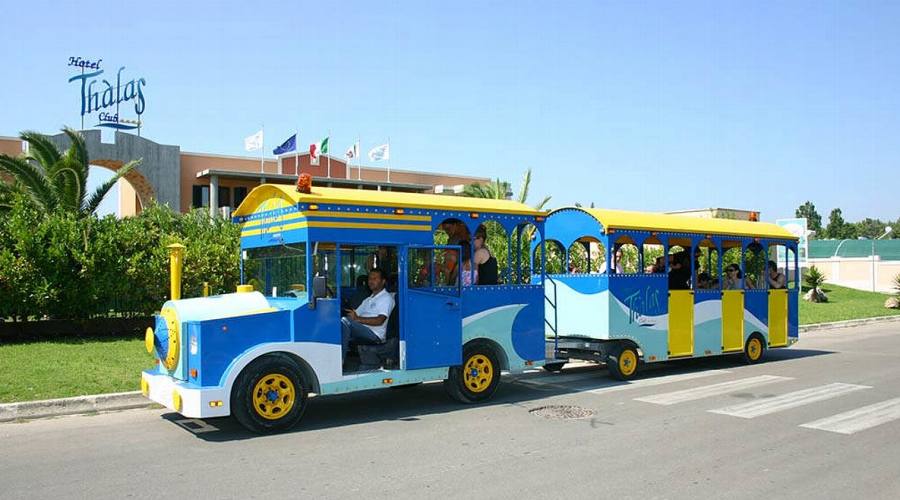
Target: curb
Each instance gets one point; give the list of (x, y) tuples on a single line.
[(848, 323), (71, 406)]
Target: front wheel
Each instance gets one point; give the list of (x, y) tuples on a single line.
[(623, 363), (269, 395), (476, 380)]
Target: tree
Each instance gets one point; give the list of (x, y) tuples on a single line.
[(501, 190), (51, 180), (838, 228), (813, 219), (870, 228)]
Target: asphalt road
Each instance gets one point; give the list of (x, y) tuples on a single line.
[(697, 429)]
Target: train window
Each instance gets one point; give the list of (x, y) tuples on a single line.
[(754, 267), (654, 256), (706, 266), (278, 270), (556, 257), (732, 277)]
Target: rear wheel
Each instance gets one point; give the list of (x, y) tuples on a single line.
[(754, 349), (477, 378), (623, 363), (269, 395)]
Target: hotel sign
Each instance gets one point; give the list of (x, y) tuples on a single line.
[(108, 99)]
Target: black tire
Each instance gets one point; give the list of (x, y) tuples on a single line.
[(284, 410), (482, 380), (554, 367), (754, 349), (623, 363)]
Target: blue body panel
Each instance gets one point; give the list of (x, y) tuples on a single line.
[(435, 338)]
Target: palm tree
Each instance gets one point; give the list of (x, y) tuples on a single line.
[(500, 190), (53, 180)]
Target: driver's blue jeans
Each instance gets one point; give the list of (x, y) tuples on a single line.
[(360, 333)]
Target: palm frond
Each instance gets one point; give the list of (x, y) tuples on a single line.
[(32, 180), (526, 184), (41, 149), (78, 153), (94, 201), (67, 182), (543, 203)]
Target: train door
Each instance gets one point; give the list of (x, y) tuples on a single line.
[(681, 301), (431, 333), (732, 296)]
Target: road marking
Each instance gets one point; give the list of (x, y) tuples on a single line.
[(787, 401), (671, 398), (859, 419), (650, 382)]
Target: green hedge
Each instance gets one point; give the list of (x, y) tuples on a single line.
[(62, 267)]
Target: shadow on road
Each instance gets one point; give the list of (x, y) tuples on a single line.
[(407, 404)]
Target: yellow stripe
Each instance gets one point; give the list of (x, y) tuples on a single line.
[(345, 215), (338, 225)]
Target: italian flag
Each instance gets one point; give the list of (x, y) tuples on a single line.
[(316, 149)]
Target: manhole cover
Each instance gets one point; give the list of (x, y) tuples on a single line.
[(561, 412)]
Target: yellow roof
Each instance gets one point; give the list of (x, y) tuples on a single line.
[(288, 195), (648, 221)]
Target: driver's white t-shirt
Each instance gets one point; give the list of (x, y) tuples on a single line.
[(377, 305)]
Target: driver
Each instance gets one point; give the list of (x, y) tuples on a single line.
[(367, 324)]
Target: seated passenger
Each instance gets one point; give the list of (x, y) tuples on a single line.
[(773, 277), (449, 271), (658, 267), (466, 267), (619, 263), (456, 231), (367, 324), (487, 265), (734, 280), (704, 281), (680, 272)]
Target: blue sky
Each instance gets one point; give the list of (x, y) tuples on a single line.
[(636, 105)]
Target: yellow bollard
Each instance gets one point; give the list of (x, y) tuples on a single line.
[(176, 261), (206, 288)]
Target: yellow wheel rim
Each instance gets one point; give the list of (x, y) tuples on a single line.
[(479, 373), (171, 317), (754, 349), (627, 362), (274, 396)]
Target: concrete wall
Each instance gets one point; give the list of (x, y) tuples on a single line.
[(156, 177), (857, 272)]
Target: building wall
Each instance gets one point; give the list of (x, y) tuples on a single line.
[(857, 272), (193, 163), (11, 146)]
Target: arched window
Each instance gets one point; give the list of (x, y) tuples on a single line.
[(732, 270), (520, 249), (654, 256), (754, 266), (707, 266), (490, 245), (556, 257), (579, 261), (625, 257)]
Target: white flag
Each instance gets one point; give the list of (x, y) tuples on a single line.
[(379, 153), (254, 142), (352, 151)]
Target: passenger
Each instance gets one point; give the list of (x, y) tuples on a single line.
[(380, 258), (659, 266), (680, 272), (367, 324), (488, 273), (456, 231), (704, 281), (618, 260), (734, 280), (467, 279), (450, 267), (773, 277)]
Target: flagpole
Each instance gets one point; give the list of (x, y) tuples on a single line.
[(297, 153), (262, 150), (358, 159), (389, 161), (328, 158)]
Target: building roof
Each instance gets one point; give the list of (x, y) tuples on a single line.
[(649, 221), (292, 178), (395, 199), (825, 249)]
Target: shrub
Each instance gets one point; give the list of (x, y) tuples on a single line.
[(60, 266)]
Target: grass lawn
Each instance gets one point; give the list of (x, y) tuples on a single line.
[(845, 303), (59, 369)]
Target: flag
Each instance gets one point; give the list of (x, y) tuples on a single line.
[(254, 142), (352, 151), (287, 146), (316, 149), (379, 153)]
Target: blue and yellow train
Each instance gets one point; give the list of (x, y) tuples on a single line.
[(306, 257)]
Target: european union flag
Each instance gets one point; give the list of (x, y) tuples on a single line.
[(287, 146)]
